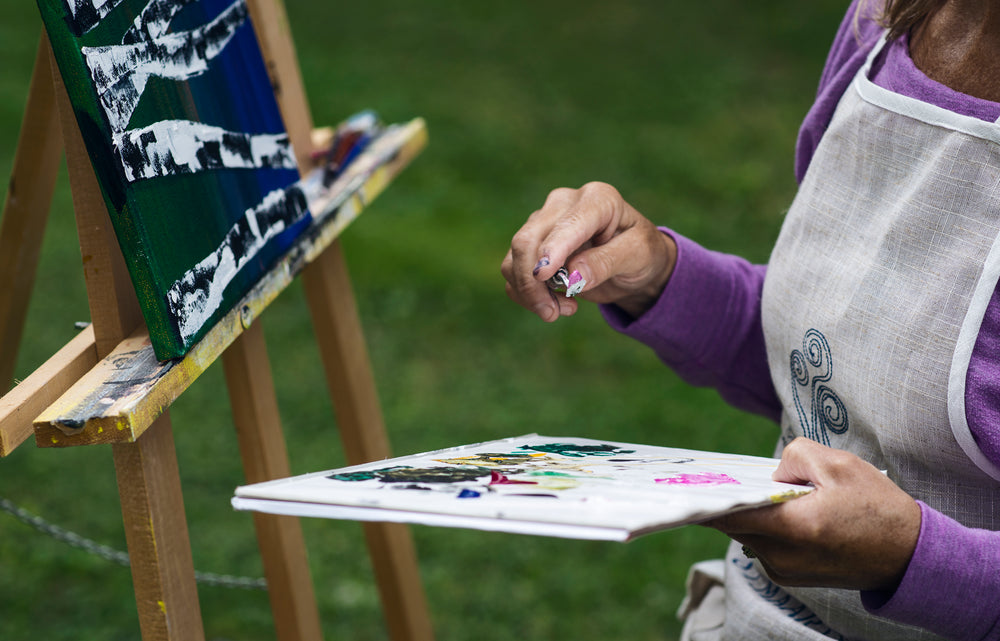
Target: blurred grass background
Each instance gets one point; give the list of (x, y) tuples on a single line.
[(689, 108)]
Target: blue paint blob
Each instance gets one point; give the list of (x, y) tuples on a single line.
[(469, 494)]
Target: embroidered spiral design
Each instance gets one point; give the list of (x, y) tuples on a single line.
[(830, 411), (800, 370), (811, 368)]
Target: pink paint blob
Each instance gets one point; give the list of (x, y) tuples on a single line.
[(574, 278), (496, 478), (702, 478)]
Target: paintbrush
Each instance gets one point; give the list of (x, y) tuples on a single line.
[(349, 140)]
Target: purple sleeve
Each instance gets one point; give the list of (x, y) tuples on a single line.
[(707, 326), (952, 586), (982, 384)]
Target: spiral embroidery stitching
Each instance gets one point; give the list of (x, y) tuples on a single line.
[(812, 369)]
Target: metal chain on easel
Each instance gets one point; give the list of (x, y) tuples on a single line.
[(116, 556)]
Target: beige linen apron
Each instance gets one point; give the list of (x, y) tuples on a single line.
[(873, 299)]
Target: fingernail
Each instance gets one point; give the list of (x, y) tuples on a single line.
[(542, 263), (544, 311)]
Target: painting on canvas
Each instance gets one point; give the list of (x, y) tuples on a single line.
[(554, 486), (180, 121)]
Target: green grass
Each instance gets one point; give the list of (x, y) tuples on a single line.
[(690, 109)]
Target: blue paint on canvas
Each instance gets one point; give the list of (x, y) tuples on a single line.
[(180, 120)]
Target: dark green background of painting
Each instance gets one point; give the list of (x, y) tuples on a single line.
[(690, 108), (169, 224)]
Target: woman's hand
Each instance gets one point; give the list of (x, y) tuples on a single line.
[(623, 257), (856, 530)]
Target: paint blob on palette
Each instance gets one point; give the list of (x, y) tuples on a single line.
[(180, 120), (550, 486)]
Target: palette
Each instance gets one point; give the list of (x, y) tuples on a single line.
[(551, 486)]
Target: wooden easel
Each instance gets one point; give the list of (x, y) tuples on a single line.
[(144, 455)]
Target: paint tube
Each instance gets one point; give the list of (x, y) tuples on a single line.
[(350, 139), (565, 281)]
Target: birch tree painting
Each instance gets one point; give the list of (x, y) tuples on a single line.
[(180, 120)]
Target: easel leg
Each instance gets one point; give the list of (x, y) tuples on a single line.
[(352, 387), (148, 478), (265, 457), (157, 535), (26, 210), (341, 343)]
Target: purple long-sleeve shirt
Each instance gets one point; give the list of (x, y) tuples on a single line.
[(707, 327)]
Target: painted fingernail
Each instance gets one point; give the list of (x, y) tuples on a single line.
[(542, 263)]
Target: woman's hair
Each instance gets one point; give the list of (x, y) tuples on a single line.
[(899, 16)]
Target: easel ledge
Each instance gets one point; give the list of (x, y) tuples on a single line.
[(120, 397)]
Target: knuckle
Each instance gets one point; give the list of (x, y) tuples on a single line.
[(506, 267), (840, 462), (839, 465), (797, 445), (605, 200), (599, 189), (800, 450), (602, 193), (560, 196), (522, 241)]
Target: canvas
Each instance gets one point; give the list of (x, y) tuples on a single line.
[(180, 121), (542, 485)]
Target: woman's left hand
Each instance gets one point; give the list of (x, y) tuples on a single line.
[(856, 530)]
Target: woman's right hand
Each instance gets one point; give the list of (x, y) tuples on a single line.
[(623, 257)]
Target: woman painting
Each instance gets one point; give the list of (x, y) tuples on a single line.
[(872, 337)]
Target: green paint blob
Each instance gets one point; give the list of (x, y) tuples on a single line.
[(576, 450)]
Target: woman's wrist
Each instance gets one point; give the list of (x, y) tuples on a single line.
[(638, 302)]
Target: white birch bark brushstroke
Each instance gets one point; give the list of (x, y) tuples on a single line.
[(86, 14), (120, 72), (154, 20), (172, 147), (198, 294)]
